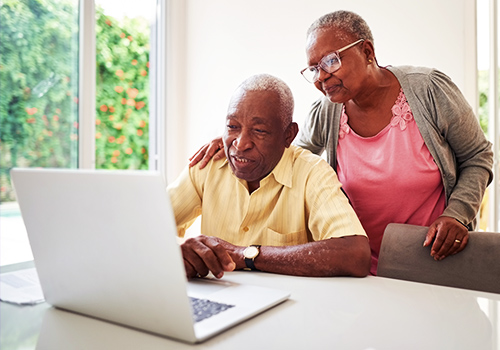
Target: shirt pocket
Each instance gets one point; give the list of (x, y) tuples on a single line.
[(274, 238)]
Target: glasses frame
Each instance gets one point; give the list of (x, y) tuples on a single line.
[(324, 67)]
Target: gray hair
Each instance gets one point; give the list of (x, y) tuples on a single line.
[(349, 22), (267, 82)]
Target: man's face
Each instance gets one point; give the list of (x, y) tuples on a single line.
[(254, 139)]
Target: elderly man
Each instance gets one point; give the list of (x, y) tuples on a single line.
[(269, 206)]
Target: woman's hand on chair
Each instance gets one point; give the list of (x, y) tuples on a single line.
[(449, 236)]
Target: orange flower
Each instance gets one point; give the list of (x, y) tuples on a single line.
[(119, 72), (132, 92), (30, 120), (55, 118), (108, 22), (139, 104), (114, 160), (118, 126), (98, 135), (49, 133), (131, 102), (104, 108), (124, 100), (142, 124), (128, 150), (144, 73), (122, 35), (111, 117), (120, 140), (139, 132), (143, 150), (130, 37), (147, 64), (111, 109), (116, 153), (98, 122), (119, 89), (111, 139), (31, 111), (134, 62)]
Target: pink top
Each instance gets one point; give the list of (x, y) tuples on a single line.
[(389, 177)]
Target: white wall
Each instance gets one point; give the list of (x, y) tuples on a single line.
[(225, 41)]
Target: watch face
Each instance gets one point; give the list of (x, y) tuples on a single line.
[(251, 252)]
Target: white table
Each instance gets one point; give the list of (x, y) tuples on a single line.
[(322, 313)]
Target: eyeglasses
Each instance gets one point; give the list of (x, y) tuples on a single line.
[(330, 63)]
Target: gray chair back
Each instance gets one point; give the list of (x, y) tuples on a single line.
[(477, 267)]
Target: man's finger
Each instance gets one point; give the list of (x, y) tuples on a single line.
[(223, 257)]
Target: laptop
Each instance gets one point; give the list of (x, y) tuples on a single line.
[(104, 245)]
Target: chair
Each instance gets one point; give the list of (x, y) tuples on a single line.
[(477, 267)]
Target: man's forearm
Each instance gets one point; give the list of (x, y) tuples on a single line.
[(345, 256)]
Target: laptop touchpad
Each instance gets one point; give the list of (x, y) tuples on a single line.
[(203, 287)]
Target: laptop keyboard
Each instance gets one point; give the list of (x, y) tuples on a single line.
[(203, 308)]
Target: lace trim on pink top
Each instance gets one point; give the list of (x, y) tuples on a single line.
[(401, 115)]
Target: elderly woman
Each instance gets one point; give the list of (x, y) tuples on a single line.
[(404, 142)]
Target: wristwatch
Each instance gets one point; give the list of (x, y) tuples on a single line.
[(250, 253)]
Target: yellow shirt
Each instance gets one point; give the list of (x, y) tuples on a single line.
[(298, 202)]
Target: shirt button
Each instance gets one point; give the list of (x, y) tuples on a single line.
[(246, 229)]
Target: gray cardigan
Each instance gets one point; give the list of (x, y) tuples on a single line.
[(448, 126)]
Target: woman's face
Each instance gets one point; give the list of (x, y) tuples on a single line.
[(347, 82)]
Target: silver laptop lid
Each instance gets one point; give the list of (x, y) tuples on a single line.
[(104, 245)]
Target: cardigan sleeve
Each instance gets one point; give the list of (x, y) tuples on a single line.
[(457, 142), (311, 135)]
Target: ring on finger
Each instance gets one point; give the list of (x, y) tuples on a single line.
[(458, 241)]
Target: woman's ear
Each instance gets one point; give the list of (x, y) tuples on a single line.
[(368, 50)]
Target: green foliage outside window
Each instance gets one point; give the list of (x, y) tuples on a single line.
[(39, 89), (483, 88), (122, 133)]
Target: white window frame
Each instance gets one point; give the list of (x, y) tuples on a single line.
[(87, 89), (493, 115)]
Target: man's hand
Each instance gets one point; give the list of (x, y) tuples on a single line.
[(213, 149), (450, 236), (203, 254)]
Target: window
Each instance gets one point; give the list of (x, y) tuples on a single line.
[(488, 83), (57, 114), (122, 84)]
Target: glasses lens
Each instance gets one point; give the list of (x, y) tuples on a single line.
[(330, 63), (311, 74)]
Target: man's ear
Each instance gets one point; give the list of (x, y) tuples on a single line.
[(291, 131)]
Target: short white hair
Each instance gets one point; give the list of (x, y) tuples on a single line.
[(349, 22), (267, 82)]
